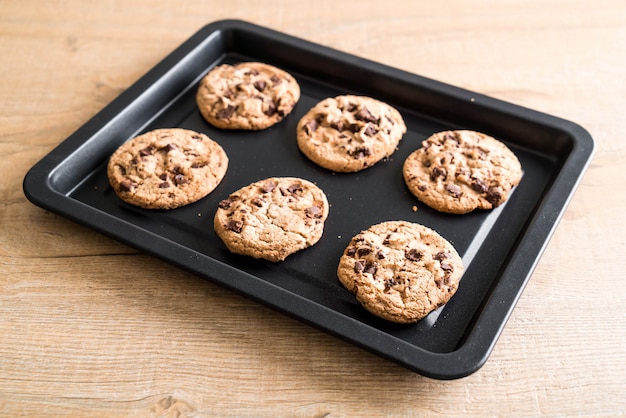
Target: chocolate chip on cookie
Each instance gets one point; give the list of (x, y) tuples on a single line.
[(349, 133), (166, 168), (400, 271), (460, 171), (249, 95), (272, 218)]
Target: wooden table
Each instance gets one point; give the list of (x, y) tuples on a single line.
[(90, 327)]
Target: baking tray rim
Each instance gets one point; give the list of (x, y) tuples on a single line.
[(471, 354)]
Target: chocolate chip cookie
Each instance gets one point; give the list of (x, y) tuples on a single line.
[(166, 168), (400, 271), (248, 95), (349, 133), (460, 171), (272, 218)]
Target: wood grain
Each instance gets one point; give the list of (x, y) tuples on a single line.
[(91, 327)]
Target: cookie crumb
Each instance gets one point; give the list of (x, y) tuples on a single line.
[(414, 208)]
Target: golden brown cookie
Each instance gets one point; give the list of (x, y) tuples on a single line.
[(349, 133), (272, 218), (249, 95), (459, 171), (400, 271), (166, 168)]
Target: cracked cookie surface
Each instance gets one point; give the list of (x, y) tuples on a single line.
[(248, 95), (166, 168), (272, 218), (400, 271), (460, 171), (349, 133)]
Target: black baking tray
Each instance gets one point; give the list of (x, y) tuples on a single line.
[(500, 248)]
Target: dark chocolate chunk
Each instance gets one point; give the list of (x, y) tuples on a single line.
[(480, 185), (259, 85), (359, 152), (451, 136), (268, 186), (235, 226), (295, 188), (365, 115), (126, 185), (227, 112), (169, 147), (311, 126), (413, 255), (275, 79), (445, 266), (180, 179), (164, 185), (370, 130), (149, 150), (354, 127), (199, 164), (313, 212), (387, 240), (371, 268), (359, 266), (271, 109), (454, 190), (494, 196), (442, 255), (363, 251), (280, 110), (339, 126), (225, 204), (438, 172)]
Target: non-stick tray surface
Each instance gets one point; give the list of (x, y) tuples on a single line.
[(500, 248)]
